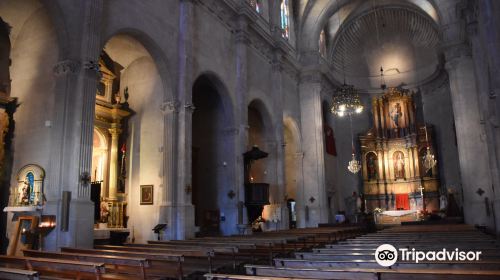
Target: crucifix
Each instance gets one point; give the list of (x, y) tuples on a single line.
[(421, 189), (422, 196)]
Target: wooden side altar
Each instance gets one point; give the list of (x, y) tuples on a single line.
[(394, 176)]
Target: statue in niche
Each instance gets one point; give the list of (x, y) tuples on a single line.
[(371, 164), (399, 165), (27, 189), (396, 114)]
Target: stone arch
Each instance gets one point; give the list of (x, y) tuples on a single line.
[(213, 159), (136, 72), (293, 172), (155, 51)]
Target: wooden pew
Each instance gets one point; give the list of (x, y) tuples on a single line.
[(340, 264), (170, 265), (371, 274), (134, 267), (201, 259), (228, 254), (74, 269), (18, 274)]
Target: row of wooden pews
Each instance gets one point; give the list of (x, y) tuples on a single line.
[(179, 259), (354, 258)]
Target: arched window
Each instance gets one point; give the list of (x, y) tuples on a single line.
[(257, 5), (285, 18), (322, 43)]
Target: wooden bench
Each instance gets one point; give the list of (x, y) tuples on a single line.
[(371, 274), (170, 265), (201, 259), (18, 274), (134, 267), (73, 269), (339, 264)]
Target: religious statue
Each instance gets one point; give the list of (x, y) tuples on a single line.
[(25, 193), (371, 164), (359, 204), (443, 202), (104, 211), (396, 114), (399, 165)]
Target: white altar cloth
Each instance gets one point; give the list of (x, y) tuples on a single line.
[(398, 213)]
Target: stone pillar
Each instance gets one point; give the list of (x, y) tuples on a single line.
[(277, 92), (472, 149), (181, 218), (170, 110), (242, 41), (484, 37), (115, 132), (313, 146), (72, 137)]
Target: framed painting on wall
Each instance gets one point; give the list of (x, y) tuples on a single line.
[(146, 194)]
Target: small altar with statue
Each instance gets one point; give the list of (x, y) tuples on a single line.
[(400, 174)]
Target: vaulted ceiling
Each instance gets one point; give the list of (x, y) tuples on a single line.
[(402, 36)]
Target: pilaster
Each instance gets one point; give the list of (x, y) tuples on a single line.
[(313, 144), (472, 149)]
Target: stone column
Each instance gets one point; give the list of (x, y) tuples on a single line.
[(72, 136), (182, 217), (115, 132), (472, 149), (242, 42), (170, 110), (313, 146), (277, 92)]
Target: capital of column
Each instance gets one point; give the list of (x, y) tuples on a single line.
[(455, 53), (189, 107), (66, 67), (170, 107), (299, 155), (115, 131), (311, 77), (241, 37)]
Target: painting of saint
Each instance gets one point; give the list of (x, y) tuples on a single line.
[(398, 159), (146, 194), (396, 114), (371, 165)]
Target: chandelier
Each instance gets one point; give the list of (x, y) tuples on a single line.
[(354, 165), (428, 159), (345, 101)]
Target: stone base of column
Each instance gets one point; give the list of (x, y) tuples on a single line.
[(475, 213), (183, 225), (317, 215), (80, 225), (496, 205)]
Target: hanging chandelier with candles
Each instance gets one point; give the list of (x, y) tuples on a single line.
[(428, 159), (345, 101)]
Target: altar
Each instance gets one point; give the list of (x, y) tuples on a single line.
[(398, 180), (396, 217)]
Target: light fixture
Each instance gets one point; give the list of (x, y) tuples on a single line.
[(354, 165), (345, 101), (428, 160)]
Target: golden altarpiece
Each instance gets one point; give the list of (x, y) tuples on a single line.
[(109, 151), (393, 153)]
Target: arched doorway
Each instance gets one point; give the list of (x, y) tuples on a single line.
[(293, 172), (127, 160), (263, 171), (28, 43), (212, 150)]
